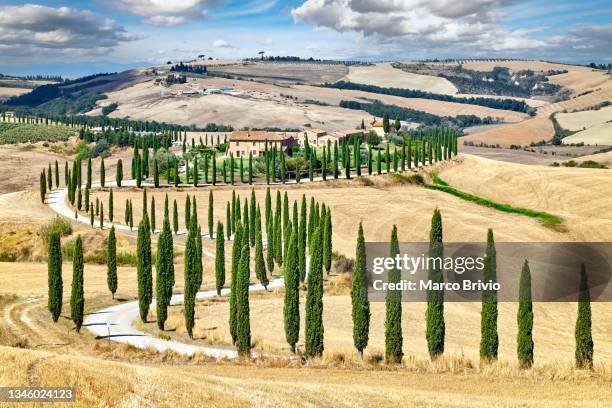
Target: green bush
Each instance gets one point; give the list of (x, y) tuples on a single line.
[(59, 225), (592, 164), (411, 179)]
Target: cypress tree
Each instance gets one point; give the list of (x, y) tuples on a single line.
[(187, 211), (189, 276), (56, 175), (77, 298), (155, 173), (214, 169), (88, 182), (176, 174), (291, 310), (66, 175), (111, 262), (131, 216), (336, 159), (243, 329), (327, 241), (378, 163), (246, 222), (253, 219), (110, 205), (49, 178), (524, 337), (434, 315), (97, 207), (313, 330), (91, 215), (79, 200), (278, 237), (250, 168), (165, 272), (54, 274), (101, 215), (260, 264), (228, 220), (220, 259), (119, 174), (138, 172), (153, 215), (210, 214), (489, 339), (102, 173), (393, 311), (236, 255), (301, 241), (143, 267), (359, 297), (126, 215), (43, 187), (584, 339), (175, 224)]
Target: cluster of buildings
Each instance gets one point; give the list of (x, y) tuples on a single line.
[(241, 143), (244, 142)]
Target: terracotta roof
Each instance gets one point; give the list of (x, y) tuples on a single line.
[(315, 130), (351, 131), (256, 136)]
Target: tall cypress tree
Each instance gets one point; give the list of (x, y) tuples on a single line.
[(88, 185), (243, 329), (313, 329), (175, 223), (165, 272), (111, 262), (260, 264), (252, 219), (489, 339), (327, 241), (291, 310), (236, 254), (250, 168), (524, 337), (187, 211), (102, 173), (301, 241), (434, 315), (155, 173), (111, 205), (584, 339), (359, 297), (394, 339), (278, 237), (56, 174), (189, 276), (143, 268), (153, 215), (220, 259), (49, 177), (119, 173), (43, 187), (77, 298), (210, 214), (54, 272)]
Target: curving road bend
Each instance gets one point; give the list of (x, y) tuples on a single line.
[(116, 322)]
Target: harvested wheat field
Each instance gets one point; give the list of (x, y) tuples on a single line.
[(584, 119), (385, 75), (598, 135)]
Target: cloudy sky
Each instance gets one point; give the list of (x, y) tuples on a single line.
[(106, 35)]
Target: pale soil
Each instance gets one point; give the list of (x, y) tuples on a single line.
[(6, 92), (510, 155), (385, 75), (584, 119), (577, 79), (603, 158), (600, 134), (540, 127), (582, 197), (281, 72), (145, 101)]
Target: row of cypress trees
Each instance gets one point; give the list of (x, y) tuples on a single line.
[(55, 281), (435, 326)]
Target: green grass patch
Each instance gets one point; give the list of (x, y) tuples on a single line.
[(547, 219)]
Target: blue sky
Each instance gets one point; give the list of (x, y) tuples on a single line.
[(53, 35)]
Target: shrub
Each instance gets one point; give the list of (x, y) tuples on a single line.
[(58, 225), (411, 179), (342, 264)]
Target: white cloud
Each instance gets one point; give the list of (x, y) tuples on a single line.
[(432, 22), (220, 43), (33, 31), (166, 12)]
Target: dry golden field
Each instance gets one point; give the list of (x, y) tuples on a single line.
[(37, 352)]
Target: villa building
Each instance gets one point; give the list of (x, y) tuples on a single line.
[(244, 142)]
